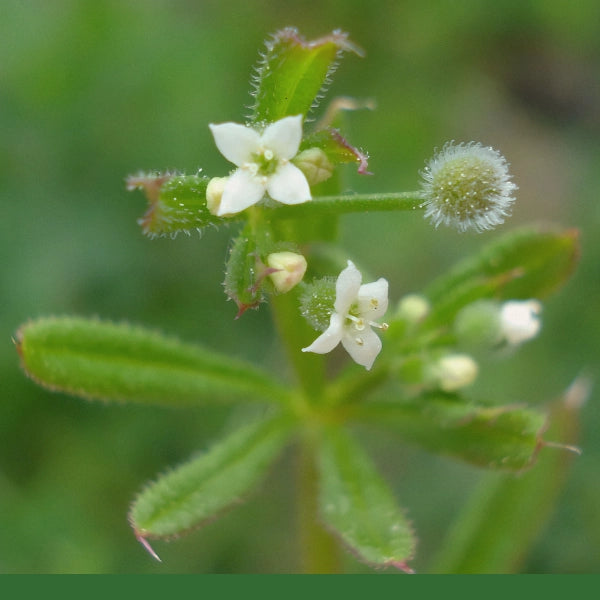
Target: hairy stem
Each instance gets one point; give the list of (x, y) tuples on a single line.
[(348, 203), (319, 551)]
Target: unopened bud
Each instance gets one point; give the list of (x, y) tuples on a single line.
[(453, 372), (314, 164), (412, 308), (519, 320), (214, 193), (290, 268)]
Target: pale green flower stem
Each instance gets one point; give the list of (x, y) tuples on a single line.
[(320, 206)]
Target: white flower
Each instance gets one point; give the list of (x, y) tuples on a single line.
[(519, 320), (467, 186), (355, 309), (263, 161)]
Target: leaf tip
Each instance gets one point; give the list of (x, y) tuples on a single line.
[(146, 544), (401, 565)]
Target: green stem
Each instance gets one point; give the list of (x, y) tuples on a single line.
[(319, 551), (325, 205), (357, 386), (295, 335)]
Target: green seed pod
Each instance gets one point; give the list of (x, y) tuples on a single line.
[(467, 186), (316, 302)]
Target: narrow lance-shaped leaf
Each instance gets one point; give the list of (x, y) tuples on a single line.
[(202, 488), (505, 514), (356, 504), (523, 264), (106, 361), (177, 203), (500, 437), (293, 72)]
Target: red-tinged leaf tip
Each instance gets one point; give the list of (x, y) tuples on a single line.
[(264, 272), (242, 308), (337, 37), (361, 157), (567, 447), (151, 185), (401, 566), (144, 542)]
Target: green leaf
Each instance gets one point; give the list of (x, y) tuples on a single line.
[(177, 203), (205, 486), (243, 277), (293, 72), (357, 504), (524, 264), (100, 360), (506, 513), (499, 437)]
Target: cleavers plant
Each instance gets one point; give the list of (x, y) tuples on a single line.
[(411, 368)]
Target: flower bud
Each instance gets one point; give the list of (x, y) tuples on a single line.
[(453, 372), (290, 268), (214, 193), (519, 320), (467, 186), (412, 308), (314, 164)]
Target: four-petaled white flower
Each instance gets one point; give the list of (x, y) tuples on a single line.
[(355, 309), (263, 161)]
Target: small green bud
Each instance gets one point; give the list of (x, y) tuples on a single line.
[(315, 165), (288, 270), (316, 302), (478, 326)]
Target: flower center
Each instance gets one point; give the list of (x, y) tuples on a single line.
[(264, 163), (359, 323)]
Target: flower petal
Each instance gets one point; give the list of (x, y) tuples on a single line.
[(346, 288), (241, 191), (283, 137), (288, 185), (362, 346), (235, 142), (330, 338), (373, 299)]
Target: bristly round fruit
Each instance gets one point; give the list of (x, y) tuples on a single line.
[(467, 186)]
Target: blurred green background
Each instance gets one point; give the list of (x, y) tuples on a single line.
[(93, 91)]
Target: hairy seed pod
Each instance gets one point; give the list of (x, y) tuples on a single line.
[(467, 186)]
